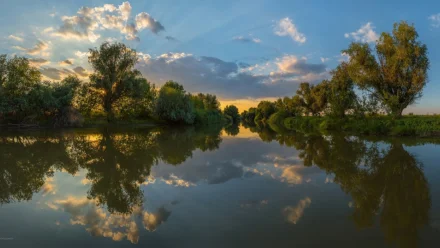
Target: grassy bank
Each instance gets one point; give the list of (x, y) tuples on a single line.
[(421, 126)]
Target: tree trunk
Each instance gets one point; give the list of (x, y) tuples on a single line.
[(397, 114)]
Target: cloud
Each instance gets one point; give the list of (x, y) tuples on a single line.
[(364, 34), (98, 222), (246, 39), (81, 55), (145, 21), (66, 62), (48, 187), (171, 38), (16, 38), (323, 59), (292, 175), (343, 57), (295, 65), (56, 74), (294, 213), (229, 81), (176, 181), (39, 49), (435, 20), (80, 71), (153, 220), (37, 62), (285, 27), (88, 21)]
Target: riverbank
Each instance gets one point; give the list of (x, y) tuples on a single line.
[(419, 126)]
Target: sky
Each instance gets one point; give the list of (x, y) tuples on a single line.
[(242, 51)]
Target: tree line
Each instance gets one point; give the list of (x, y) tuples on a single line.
[(385, 80), (115, 90)]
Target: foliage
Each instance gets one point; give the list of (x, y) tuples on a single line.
[(290, 106), (341, 95), (232, 111), (312, 99), (264, 110), (248, 116), (114, 75), (207, 109), (174, 105), (399, 74)]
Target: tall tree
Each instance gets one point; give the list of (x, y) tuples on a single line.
[(399, 71), (341, 95), (114, 74), (18, 88)]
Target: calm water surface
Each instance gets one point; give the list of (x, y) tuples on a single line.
[(196, 187)]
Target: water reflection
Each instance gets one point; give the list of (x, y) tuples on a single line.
[(382, 179), (386, 183)]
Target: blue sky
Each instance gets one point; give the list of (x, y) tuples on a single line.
[(243, 51)]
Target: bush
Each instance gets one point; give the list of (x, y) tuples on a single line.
[(173, 105)]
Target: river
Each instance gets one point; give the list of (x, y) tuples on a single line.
[(213, 187)]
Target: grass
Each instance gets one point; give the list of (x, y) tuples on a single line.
[(413, 125)]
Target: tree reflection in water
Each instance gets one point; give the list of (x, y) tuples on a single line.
[(382, 178), (117, 162), (385, 181)]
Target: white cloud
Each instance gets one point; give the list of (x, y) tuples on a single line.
[(97, 221), (294, 213), (295, 65), (16, 38), (82, 55), (323, 59), (48, 30), (246, 39), (39, 49), (435, 20), (364, 34), (343, 57), (144, 20), (285, 27), (153, 220), (88, 21)]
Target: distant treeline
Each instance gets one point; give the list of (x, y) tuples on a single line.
[(116, 91), (385, 80)]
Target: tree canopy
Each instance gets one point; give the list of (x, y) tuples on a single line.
[(397, 73)]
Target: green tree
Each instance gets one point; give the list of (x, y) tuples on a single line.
[(248, 116), (312, 99), (17, 79), (264, 110), (288, 105), (341, 95), (174, 105), (114, 74), (232, 111), (399, 71)]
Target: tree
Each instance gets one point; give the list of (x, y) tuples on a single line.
[(288, 105), (114, 74), (232, 111), (341, 95), (264, 110), (17, 79), (249, 115), (63, 95), (399, 73), (312, 99), (174, 105)]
